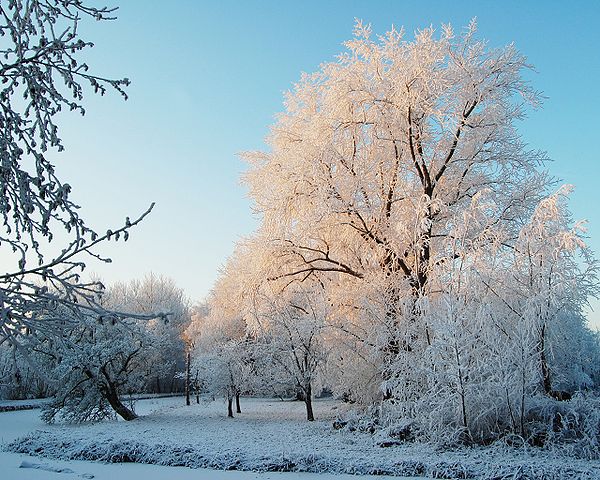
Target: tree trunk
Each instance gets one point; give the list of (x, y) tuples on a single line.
[(230, 407), (237, 403), (115, 402), (187, 378), (197, 388), (546, 380), (308, 401)]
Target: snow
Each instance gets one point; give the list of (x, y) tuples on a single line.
[(268, 435), (15, 466)]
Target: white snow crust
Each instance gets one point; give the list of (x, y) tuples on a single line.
[(272, 436)]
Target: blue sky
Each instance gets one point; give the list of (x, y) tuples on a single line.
[(208, 78)]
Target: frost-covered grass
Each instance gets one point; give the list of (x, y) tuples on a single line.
[(271, 435), (16, 466)]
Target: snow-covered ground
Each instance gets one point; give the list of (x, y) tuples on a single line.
[(270, 435), (17, 466)]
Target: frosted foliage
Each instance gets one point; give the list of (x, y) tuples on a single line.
[(397, 182), (99, 360), (97, 364), (42, 74)]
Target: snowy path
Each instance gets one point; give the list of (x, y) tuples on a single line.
[(24, 467)]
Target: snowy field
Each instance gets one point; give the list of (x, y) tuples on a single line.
[(17, 466), (269, 436)]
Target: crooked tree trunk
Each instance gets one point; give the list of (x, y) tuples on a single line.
[(237, 403), (117, 405)]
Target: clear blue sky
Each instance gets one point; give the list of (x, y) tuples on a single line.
[(208, 78)]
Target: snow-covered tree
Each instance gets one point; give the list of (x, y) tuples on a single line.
[(23, 373), (223, 350), (223, 361), (190, 335), (396, 179), (378, 154), (146, 297), (290, 327), (97, 362)]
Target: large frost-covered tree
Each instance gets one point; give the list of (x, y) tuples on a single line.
[(41, 75), (378, 154), (396, 178)]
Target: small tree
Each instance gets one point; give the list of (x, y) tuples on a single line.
[(224, 366), (222, 349), (289, 327), (97, 363)]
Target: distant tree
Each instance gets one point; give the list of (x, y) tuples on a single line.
[(24, 374), (222, 359), (223, 351), (41, 75), (146, 297), (190, 336)]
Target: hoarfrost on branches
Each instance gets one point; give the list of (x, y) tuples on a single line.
[(398, 181), (41, 74)]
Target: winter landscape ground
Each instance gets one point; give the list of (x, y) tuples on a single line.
[(270, 436)]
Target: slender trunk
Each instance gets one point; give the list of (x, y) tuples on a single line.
[(522, 416), (237, 403), (230, 406), (308, 401), (187, 378), (117, 405), (546, 380)]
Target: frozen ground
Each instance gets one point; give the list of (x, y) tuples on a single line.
[(18, 466), (269, 436)]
